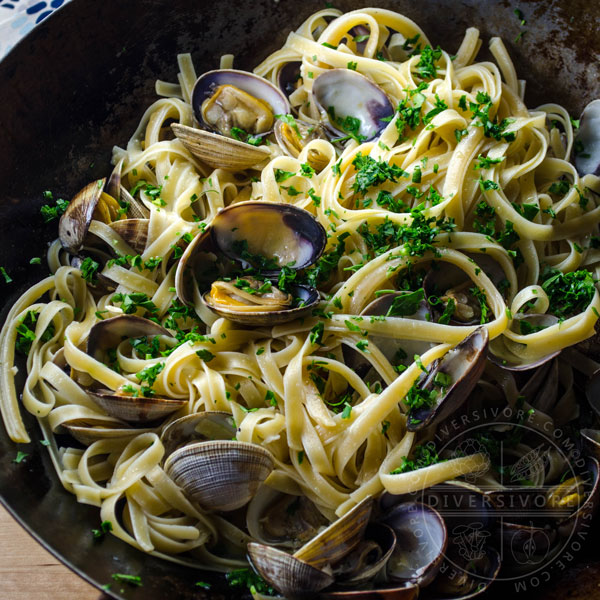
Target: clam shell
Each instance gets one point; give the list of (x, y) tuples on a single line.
[(351, 94), (404, 591), (310, 296), (197, 427), (286, 233), (134, 232), (337, 540), (135, 409), (219, 475), (421, 542), (218, 151), (368, 558), (289, 575), (75, 222), (110, 332), (465, 364), (456, 583), (88, 435), (252, 84), (589, 136)]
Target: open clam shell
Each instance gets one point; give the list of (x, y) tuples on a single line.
[(288, 235), (587, 160), (288, 77), (108, 333), (255, 87), (135, 409), (579, 519), (197, 427), (218, 151), (133, 231), (306, 297), (343, 94), (75, 221), (462, 578), (368, 558), (289, 575), (219, 475), (337, 540), (421, 541), (282, 520), (453, 377)]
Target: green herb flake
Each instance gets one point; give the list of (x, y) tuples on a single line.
[(135, 580), (20, 457)]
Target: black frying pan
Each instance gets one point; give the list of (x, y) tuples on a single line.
[(79, 84)]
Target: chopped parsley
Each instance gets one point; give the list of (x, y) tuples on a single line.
[(49, 212), (424, 455), (130, 579), (89, 267), (105, 527), (26, 332), (568, 293), (246, 578), (371, 172)]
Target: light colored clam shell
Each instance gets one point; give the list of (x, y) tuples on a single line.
[(135, 409), (219, 151), (339, 538), (220, 475), (88, 435), (134, 232), (75, 222), (292, 577)]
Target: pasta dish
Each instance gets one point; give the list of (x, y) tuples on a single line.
[(263, 328)]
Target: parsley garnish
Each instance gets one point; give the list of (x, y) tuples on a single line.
[(569, 293), (423, 456)]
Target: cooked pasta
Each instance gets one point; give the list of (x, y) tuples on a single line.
[(460, 179)]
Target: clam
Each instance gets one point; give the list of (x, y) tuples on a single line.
[(134, 232), (219, 475), (109, 333), (197, 427), (75, 222), (368, 558), (218, 151), (337, 540), (291, 576), (135, 409), (421, 541), (289, 237), (587, 502), (293, 138), (450, 380), (403, 591), (308, 570), (106, 201), (350, 102), (288, 77), (466, 574), (587, 140), (282, 520), (232, 104)]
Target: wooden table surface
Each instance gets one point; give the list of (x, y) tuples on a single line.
[(28, 572)]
